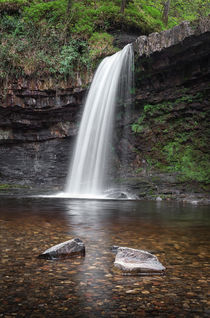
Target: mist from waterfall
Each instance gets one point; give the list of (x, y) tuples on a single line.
[(111, 85)]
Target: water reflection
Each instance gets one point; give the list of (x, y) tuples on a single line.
[(90, 287)]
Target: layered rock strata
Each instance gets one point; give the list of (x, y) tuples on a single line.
[(38, 123)]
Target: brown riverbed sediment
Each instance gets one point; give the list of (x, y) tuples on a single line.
[(90, 287)]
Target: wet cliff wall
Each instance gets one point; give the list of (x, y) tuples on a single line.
[(38, 123), (167, 144), (169, 128)]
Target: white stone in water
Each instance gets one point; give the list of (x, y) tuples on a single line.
[(137, 261), (74, 247), (194, 202)]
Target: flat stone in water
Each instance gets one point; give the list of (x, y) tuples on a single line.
[(137, 261), (68, 249)]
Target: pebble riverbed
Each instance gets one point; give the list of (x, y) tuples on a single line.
[(91, 287)]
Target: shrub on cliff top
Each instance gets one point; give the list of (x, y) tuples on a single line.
[(101, 44), (35, 34), (52, 12)]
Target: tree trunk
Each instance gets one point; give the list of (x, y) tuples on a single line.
[(69, 6), (123, 4), (65, 29), (166, 12)]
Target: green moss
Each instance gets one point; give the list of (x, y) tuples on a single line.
[(4, 186), (53, 12), (178, 137), (160, 113), (158, 108), (191, 163), (11, 186), (161, 119), (139, 170), (136, 128), (182, 155)]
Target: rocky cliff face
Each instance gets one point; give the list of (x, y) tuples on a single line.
[(169, 127), (39, 119), (38, 123)]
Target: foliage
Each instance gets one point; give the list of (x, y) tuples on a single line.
[(181, 146), (137, 128), (35, 35), (12, 6), (190, 162), (145, 17), (52, 12), (46, 57), (101, 44), (189, 10), (73, 57)]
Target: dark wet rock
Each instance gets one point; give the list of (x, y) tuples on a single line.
[(121, 39), (137, 261), (114, 248), (117, 194), (38, 125), (68, 249), (122, 195), (172, 72)]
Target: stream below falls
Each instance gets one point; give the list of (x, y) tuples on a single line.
[(177, 234)]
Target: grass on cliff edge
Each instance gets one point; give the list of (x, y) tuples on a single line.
[(62, 37)]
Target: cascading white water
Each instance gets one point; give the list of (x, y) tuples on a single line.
[(87, 175)]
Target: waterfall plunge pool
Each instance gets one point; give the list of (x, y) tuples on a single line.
[(90, 287), (111, 194)]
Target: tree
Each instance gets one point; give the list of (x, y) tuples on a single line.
[(69, 4), (123, 5), (166, 12), (66, 23)]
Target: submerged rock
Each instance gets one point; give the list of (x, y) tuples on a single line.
[(114, 248), (116, 194), (68, 249), (137, 261)]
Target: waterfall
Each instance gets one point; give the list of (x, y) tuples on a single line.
[(88, 169)]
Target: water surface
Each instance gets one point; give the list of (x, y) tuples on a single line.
[(90, 287)]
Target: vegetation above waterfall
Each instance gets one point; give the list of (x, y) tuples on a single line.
[(62, 37)]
